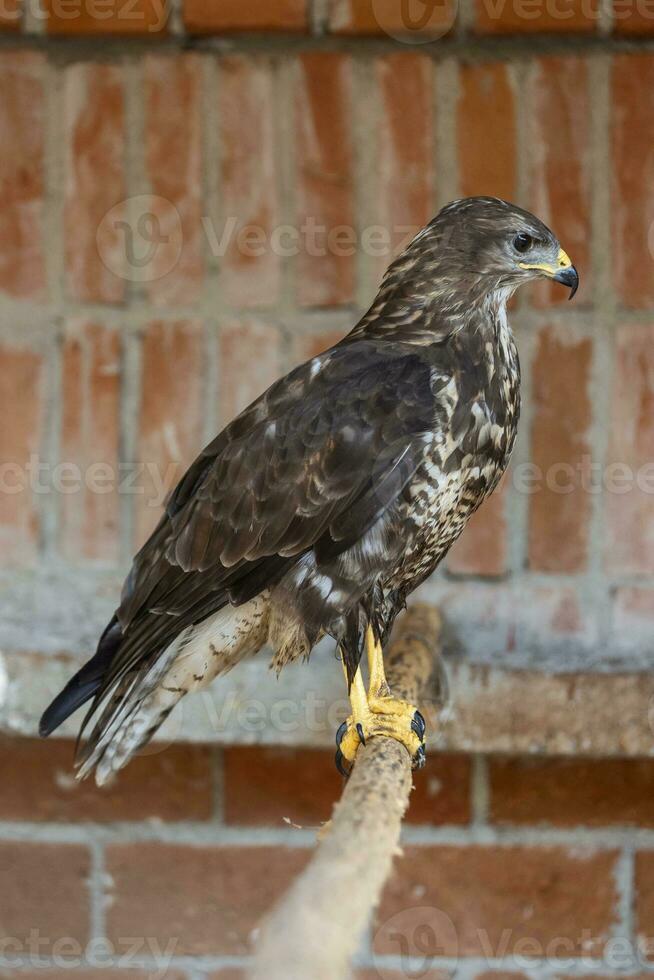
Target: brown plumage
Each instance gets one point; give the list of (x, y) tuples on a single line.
[(328, 500)]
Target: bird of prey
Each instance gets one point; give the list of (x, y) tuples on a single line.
[(331, 497)]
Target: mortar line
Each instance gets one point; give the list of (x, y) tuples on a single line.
[(209, 834), (52, 316), (176, 19), (604, 332), (207, 307), (285, 78), (97, 895), (445, 129), (212, 302), (133, 318), (318, 16), (625, 888), (33, 18), (364, 120), (516, 505)]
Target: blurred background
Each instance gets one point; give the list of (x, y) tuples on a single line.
[(195, 197)]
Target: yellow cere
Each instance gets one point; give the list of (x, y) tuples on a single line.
[(562, 262)]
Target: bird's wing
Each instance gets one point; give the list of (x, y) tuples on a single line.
[(312, 463), (316, 459)]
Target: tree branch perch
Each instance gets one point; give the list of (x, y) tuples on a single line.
[(316, 928)]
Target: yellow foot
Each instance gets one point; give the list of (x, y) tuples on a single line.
[(383, 715)]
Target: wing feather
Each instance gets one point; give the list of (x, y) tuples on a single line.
[(313, 463)]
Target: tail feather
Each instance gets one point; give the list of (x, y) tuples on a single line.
[(127, 709), (85, 683)]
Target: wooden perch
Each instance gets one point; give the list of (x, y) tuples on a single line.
[(316, 928)]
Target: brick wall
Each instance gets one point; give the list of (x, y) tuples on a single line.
[(510, 867), (185, 218), (168, 177)]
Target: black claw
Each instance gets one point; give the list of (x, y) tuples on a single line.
[(362, 737), (340, 733), (419, 758), (418, 725), (339, 759)]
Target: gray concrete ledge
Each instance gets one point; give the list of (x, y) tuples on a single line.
[(562, 702), (490, 709)]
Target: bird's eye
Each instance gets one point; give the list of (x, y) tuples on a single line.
[(522, 242)]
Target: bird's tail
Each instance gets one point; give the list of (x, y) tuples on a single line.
[(127, 724), (85, 683)]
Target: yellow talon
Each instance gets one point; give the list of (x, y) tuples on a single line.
[(378, 713)]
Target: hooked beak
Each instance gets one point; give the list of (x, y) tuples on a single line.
[(561, 271)]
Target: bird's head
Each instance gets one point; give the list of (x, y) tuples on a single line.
[(473, 255), (497, 245)]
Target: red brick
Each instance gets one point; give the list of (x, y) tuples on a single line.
[(527, 17), (325, 205), (250, 269), (21, 396), (633, 178), (308, 345), (486, 118), (201, 17), (270, 786), (482, 548), (559, 140), (559, 507), (168, 783), (90, 441), (250, 360), (405, 153), (22, 268), (264, 786), (95, 182), (43, 889), (206, 900), (173, 149), (170, 434), (102, 18), (441, 791), (572, 792), (644, 903), (553, 898), (10, 16), (630, 514), (632, 17), (387, 17)]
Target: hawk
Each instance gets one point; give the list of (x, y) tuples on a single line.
[(328, 500)]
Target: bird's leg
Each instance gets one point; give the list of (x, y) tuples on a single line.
[(377, 712)]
